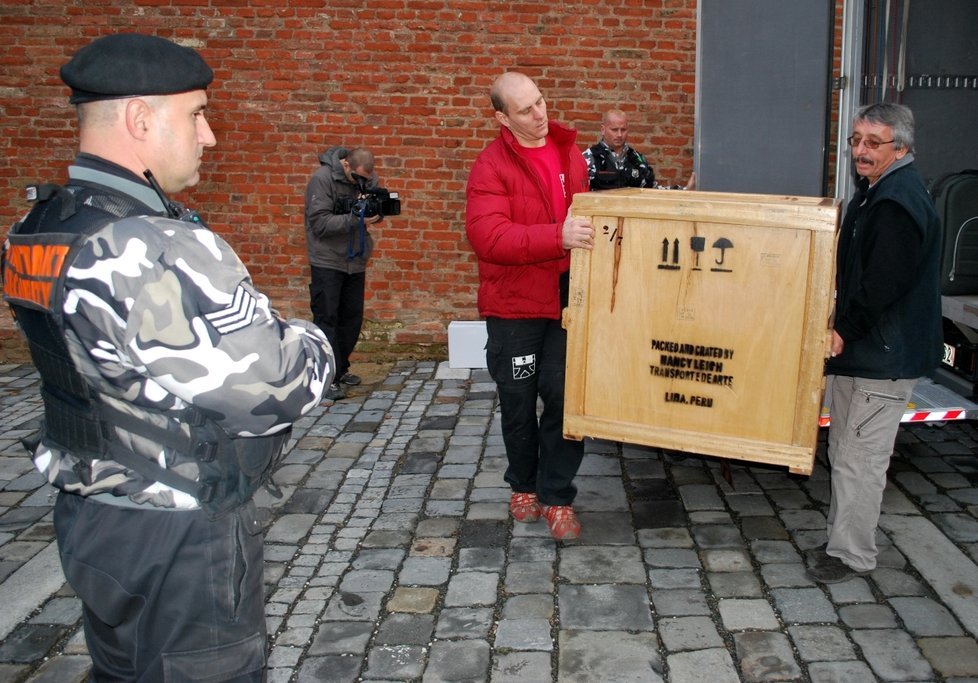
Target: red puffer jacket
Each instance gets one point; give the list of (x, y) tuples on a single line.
[(514, 230)]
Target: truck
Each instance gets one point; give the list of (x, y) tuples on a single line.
[(777, 85)]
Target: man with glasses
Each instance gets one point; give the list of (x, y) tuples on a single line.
[(886, 332)]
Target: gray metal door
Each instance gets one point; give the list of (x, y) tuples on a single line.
[(763, 83)]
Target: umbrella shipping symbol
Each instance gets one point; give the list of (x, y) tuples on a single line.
[(670, 257)]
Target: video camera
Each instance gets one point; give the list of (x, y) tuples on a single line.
[(370, 201)]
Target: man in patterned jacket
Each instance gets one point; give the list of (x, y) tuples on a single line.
[(169, 383), (612, 163)]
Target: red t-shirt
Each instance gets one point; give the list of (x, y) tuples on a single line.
[(546, 162)]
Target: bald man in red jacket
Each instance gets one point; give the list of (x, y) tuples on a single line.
[(517, 201)]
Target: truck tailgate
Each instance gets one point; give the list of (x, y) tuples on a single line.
[(931, 402)]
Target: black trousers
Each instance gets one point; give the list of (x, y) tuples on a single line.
[(336, 302), (167, 596), (526, 360)]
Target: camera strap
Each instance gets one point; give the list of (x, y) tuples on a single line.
[(358, 233)]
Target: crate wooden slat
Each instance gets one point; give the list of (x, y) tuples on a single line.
[(699, 322)]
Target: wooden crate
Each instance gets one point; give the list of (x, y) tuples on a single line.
[(700, 322)]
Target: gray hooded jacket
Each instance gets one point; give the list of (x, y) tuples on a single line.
[(335, 241)]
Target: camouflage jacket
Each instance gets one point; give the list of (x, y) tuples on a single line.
[(160, 315), (607, 170)]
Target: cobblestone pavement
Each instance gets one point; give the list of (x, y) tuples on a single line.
[(392, 558)]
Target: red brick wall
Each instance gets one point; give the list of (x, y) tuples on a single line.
[(408, 78)]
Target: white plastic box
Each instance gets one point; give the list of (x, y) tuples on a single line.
[(467, 344)]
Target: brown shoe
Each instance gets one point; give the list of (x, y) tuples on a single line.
[(524, 507), (562, 522)]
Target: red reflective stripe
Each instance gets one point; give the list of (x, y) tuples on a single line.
[(916, 416), (937, 415)]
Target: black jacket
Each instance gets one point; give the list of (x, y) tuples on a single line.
[(605, 173), (888, 306)]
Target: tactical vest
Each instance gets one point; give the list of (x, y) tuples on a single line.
[(635, 171), (36, 259)]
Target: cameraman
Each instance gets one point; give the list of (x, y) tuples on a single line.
[(339, 246)]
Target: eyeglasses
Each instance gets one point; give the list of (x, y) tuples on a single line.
[(856, 140)]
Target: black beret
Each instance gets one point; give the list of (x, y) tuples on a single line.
[(132, 64)]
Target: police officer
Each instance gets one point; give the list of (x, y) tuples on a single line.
[(169, 383), (612, 163)]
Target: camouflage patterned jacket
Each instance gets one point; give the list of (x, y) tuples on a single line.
[(607, 170), (161, 315)]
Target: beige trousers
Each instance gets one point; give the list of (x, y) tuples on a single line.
[(865, 416)]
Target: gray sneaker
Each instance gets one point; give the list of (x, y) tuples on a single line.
[(334, 393), (350, 379), (827, 569), (816, 555)]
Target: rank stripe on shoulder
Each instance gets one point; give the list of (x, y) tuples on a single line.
[(239, 313)]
